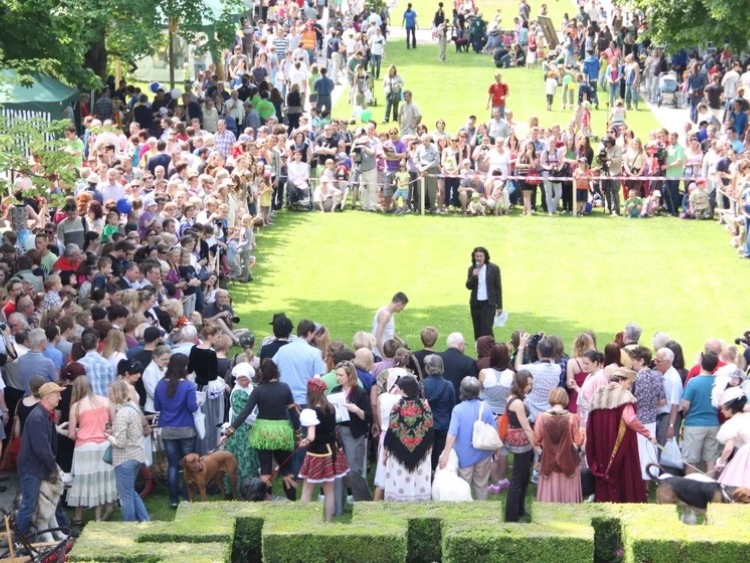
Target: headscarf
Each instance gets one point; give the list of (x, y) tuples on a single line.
[(410, 433)]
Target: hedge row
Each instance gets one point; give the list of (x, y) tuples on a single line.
[(224, 532)]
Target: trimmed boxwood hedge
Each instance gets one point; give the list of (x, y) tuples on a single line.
[(280, 532)]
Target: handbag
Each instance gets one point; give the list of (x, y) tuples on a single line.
[(199, 417), (533, 179), (503, 425), (107, 455), (484, 436)]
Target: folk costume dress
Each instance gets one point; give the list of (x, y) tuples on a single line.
[(737, 471), (409, 441), (324, 460), (239, 442), (558, 433), (612, 447)]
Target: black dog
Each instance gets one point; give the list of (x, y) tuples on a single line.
[(461, 44)]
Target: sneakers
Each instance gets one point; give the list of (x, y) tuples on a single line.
[(499, 487), (535, 477)]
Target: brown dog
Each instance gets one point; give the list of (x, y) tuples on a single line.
[(198, 471), (741, 495)]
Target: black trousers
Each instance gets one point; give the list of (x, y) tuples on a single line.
[(519, 483), (482, 317), (437, 448)]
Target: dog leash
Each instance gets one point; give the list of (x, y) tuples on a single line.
[(685, 463)]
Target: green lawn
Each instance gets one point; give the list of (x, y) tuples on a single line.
[(560, 274), (458, 88)]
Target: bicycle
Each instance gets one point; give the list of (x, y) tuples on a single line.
[(20, 548)]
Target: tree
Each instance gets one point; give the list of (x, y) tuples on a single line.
[(74, 39), (689, 23)]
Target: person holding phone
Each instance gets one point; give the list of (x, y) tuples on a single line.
[(486, 288)]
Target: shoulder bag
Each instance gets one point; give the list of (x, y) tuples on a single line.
[(484, 436)]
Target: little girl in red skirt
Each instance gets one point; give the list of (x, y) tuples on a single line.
[(324, 461)]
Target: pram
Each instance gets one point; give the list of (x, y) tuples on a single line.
[(668, 87)]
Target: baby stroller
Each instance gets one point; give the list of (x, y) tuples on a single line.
[(668, 87)]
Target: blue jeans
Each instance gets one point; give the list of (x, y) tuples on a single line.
[(613, 90), (375, 60), (131, 505), (631, 96), (176, 450), (30, 496)]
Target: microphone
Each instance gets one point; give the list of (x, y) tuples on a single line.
[(477, 265)]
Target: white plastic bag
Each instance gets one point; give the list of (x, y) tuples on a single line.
[(501, 319), (671, 455)]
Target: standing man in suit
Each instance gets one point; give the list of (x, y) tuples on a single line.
[(456, 364), (486, 292)]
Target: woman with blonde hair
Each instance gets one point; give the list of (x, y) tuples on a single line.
[(129, 299), (126, 438), (114, 347), (575, 374), (363, 339), (558, 433), (94, 482)]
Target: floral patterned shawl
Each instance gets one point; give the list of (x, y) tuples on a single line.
[(410, 433)]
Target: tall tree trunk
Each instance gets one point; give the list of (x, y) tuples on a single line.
[(96, 57)]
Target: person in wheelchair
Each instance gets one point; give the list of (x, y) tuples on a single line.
[(299, 183)]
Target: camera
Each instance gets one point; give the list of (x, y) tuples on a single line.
[(744, 339), (3, 326), (534, 340), (235, 319), (603, 160), (661, 155)]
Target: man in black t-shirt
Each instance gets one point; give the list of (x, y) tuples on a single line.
[(439, 16), (282, 329)]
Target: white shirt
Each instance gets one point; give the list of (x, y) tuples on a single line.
[(672, 389), (151, 376), (482, 285), (500, 162), (114, 192), (377, 44), (730, 81)]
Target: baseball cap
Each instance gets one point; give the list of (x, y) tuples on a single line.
[(49, 388)]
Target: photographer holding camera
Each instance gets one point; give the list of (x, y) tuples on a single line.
[(610, 165), (221, 313)]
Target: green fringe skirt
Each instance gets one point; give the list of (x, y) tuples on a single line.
[(272, 435)]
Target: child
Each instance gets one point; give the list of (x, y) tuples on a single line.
[(582, 179), (101, 279), (246, 246), (324, 461), (497, 196), (476, 205), (550, 85), (633, 205), (265, 193), (586, 118), (699, 204), (111, 226), (401, 180), (652, 204), (52, 285), (568, 90)]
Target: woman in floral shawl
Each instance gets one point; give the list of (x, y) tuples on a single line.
[(408, 445)]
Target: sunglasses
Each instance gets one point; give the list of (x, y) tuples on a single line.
[(345, 364)]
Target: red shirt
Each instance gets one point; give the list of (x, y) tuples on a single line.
[(696, 369), (498, 92)]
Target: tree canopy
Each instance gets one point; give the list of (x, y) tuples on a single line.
[(687, 23), (73, 39)]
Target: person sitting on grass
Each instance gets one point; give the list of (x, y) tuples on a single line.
[(633, 205), (326, 197)]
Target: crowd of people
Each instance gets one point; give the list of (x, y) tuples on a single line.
[(116, 309)]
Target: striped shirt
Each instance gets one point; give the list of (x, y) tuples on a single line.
[(127, 435), (281, 46)]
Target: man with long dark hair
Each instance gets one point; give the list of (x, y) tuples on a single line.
[(486, 288)]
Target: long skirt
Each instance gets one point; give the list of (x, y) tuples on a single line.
[(560, 488), (737, 471), (247, 459), (402, 485), (214, 411), (94, 481)]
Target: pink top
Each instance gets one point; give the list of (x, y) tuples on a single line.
[(91, 426)]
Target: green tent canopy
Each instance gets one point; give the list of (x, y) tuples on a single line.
[(46, 94)]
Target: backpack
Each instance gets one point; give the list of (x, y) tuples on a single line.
[(503, 423)]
